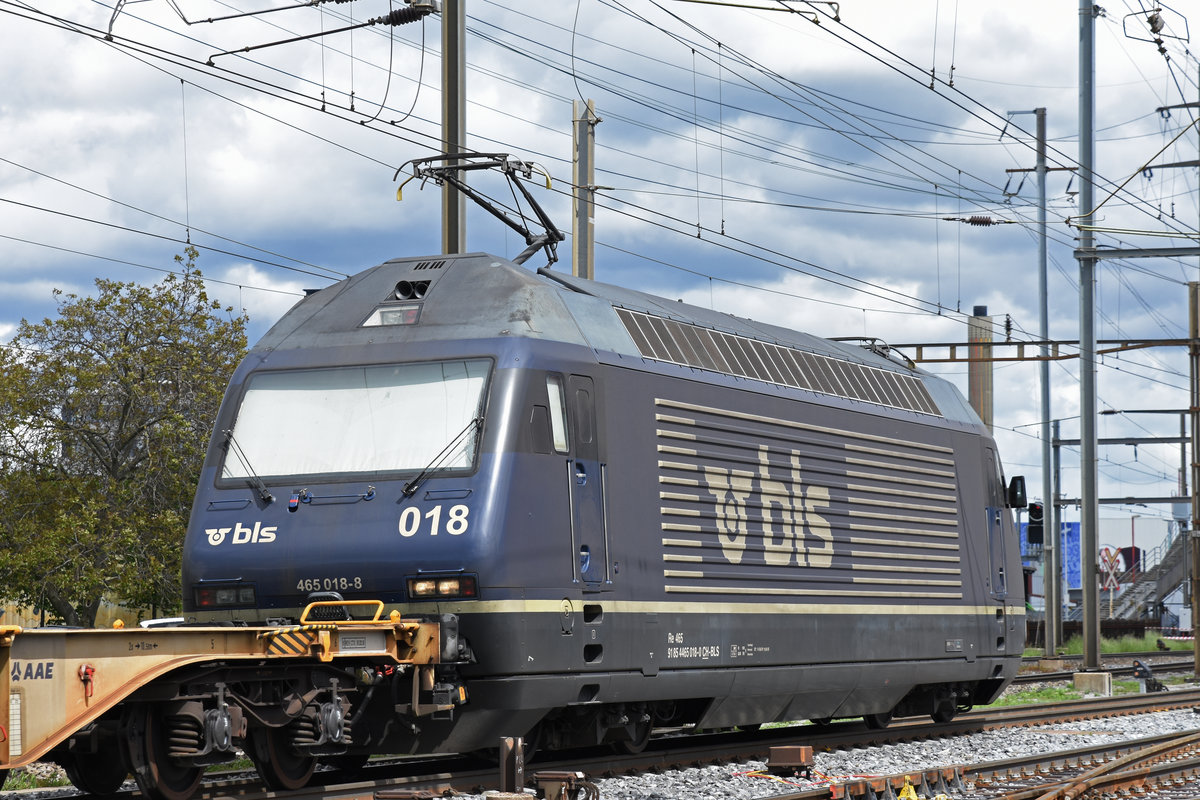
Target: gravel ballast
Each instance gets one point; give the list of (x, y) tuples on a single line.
[(750, 780)]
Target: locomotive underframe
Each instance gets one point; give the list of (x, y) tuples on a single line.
[(561, 701)]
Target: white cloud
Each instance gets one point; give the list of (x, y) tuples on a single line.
[(261, 295), (842, 129)]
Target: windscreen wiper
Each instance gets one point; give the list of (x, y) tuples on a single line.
[(410, 488), (256, 483)]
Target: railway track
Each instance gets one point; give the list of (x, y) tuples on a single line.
[(401, 778), (1162, 766), (1140, 655), (1162, 668), (405, 778), (1154, 768)]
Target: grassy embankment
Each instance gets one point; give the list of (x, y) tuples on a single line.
[(1074, 647)]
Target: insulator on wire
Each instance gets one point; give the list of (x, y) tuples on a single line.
[(397, 16), (980, 221)]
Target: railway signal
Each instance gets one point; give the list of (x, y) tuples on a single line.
[(1034, 529)]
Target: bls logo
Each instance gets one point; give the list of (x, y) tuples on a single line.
[(242, 534)]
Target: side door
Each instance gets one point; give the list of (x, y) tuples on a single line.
[(586, 477), (1000, 549)]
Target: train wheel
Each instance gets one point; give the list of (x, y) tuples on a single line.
[(99, 773), (641, 737), (944, 712), (3, 778), (157, 774), (349, 764), (280, 767), (533, 740), (878, 722)]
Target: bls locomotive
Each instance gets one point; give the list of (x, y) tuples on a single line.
[(623, 513)]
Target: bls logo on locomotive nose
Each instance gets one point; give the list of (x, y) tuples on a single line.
[(242, 535)]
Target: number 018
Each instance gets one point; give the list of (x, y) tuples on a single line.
[(412, 521)]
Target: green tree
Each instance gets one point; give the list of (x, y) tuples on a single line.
[(105, 415)]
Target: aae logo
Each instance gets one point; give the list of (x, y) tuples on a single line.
[(242, 535)]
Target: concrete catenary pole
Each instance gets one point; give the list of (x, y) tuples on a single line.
[(1088, 465), (1055, 521), (1051, 533), (1194, 413), (454, 120), (583, 173)]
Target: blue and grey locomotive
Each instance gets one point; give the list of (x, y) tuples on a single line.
[(625, 512)]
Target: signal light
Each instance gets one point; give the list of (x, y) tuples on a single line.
[(230, 596), (1034, 530)]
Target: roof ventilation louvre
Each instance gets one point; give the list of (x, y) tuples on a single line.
[(675, 342), (430, 265)]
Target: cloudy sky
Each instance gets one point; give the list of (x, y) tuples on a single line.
[(805, 174)]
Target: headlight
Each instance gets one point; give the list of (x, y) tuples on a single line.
[(443, 587)]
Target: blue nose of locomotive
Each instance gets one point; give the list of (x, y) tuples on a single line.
[(351, 455), (256, 560)]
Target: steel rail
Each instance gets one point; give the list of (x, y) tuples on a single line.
[(1066, 675), (1147, 764), (1140, 655), (436, 775), (1122, 771)]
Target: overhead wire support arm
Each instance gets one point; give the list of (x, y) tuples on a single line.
[(447, 168), (179, 11), (416, 10), (781, 5), (1012, 170), (1075, 220), (1055, 350)]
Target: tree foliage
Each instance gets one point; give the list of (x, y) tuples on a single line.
[(105, 414)]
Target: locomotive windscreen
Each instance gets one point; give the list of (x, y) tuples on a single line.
[(355, 420)]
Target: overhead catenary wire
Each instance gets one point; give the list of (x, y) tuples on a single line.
[(176, 239), (984, 114), (108, 198), (151, 267), (975, 198)]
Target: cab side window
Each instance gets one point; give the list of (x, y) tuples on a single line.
[(558, 413)]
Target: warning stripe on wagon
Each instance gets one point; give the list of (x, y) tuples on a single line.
[(293, 641)]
